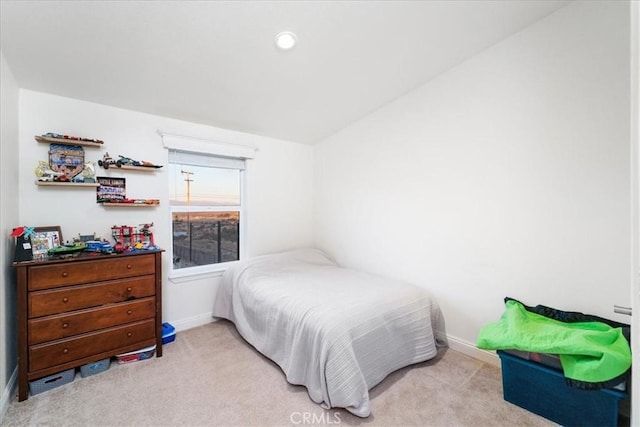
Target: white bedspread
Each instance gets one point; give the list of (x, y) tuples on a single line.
[(336, 331)]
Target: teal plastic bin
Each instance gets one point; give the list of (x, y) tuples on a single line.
[(543, 391)]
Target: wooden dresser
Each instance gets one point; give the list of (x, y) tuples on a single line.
[(87, 308)]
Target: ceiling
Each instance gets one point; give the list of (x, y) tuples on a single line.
[(215, 63)]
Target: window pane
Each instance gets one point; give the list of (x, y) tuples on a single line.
[(202, 238), (203, 186)]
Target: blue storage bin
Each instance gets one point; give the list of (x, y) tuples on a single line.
[(168, 333), (95, 367), (543, 391), (52, 381)]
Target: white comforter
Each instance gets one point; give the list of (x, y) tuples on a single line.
[(336, 331)]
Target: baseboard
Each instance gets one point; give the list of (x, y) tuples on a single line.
[(192, 322), (7, 394), (471, 350)]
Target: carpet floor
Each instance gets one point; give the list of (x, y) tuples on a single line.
[(211, 377)]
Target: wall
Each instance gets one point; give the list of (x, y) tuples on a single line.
[(8, 220), (506, 176), (635, 197), (278, 185)]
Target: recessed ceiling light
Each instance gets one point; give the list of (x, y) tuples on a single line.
[(285, 40)]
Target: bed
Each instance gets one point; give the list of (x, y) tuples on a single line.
[(337, 331)]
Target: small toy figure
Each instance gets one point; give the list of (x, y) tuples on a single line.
[(147, 235), (27, 232), (87, 175), (46, 174), (89, 172)]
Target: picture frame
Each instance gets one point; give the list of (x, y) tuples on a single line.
[(111, 189), (45, 238)]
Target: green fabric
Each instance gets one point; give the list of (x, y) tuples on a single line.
[(589, 351)]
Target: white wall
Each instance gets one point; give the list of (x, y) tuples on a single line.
[(635, 197), (278, 184), (8, 220), (505, 176)]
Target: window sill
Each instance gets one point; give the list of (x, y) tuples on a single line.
[(181, 276), (190, 276)]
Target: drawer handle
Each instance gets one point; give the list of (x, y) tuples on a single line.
[(129, 312), (129, 289), (65, 274), (65, 299), (128, 266), (65, 351), (65, 325), (129, 334)]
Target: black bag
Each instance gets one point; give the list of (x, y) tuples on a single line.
[(23, 251)]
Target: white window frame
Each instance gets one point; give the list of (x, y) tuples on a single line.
[(207, 147)]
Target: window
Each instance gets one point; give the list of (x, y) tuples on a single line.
[(205, 198)]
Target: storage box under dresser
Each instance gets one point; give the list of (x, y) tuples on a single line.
[(84, 309)]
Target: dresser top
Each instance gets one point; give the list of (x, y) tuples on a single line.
[(83, 256)]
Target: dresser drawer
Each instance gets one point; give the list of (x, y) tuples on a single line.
[(44, 303), (43, 356), (73, 273), (65, 325)]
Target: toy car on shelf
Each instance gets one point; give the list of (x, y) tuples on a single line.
[(108, 161), (130, 162), (44, 173), (130, 201), (71, 137)]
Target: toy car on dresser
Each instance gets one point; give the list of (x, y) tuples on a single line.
[(99, 246)]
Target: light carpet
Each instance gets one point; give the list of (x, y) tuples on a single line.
[(211, 377)]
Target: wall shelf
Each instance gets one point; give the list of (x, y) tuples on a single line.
[(49, 140), (66, 184), (131, 205), (132, 168)]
